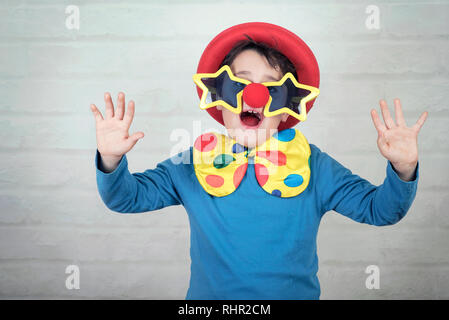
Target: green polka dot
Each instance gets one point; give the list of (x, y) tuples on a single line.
[(223, 160)]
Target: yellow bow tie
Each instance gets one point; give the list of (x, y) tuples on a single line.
[(281, 164)]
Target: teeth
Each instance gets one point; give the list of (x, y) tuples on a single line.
[(258, 114), (252, 111)]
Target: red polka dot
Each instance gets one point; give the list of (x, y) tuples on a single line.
[(239, 174), (205, 142), (276, 157), (261, 173), (214, 180)]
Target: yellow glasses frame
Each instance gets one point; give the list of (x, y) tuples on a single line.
[(314, 92)]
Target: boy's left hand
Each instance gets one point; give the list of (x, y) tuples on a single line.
[(397, 142)]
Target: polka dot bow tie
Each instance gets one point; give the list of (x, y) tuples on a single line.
[(281, 164)]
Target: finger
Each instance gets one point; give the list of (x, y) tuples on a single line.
[(109, 105), (120, 106), (132, 140), (418, 125), (389, 122), (129, 114), (136, 136), (380, 127), (399, 115), (96, 112)]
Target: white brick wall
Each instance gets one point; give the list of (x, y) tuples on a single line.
[(52, 216)]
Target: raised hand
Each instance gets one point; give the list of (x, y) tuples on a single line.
[(396, 141), (113, 139)]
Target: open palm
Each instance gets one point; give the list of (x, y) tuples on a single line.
[(396, 141), (113, 139)]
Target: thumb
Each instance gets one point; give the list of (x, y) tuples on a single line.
[(382, 143), (132, 139), (136, 136)]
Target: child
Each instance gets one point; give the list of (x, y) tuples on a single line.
[(255, 197)]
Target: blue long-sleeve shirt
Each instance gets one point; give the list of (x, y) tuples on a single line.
[(250, 244)]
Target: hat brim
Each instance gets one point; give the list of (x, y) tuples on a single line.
[(281, 39)]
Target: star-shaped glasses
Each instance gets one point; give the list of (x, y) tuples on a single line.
[(286, 95)]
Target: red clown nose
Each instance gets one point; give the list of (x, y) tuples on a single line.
[(256, 95)]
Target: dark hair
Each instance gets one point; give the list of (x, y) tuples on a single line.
[(275, 58)]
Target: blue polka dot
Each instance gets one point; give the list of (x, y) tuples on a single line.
[(276, 192), (237, 148), (285, 135), (293, 180)]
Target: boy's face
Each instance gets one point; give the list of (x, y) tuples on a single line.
[(252, 66)]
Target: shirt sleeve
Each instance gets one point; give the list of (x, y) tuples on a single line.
[(356, 198), (124, 192)]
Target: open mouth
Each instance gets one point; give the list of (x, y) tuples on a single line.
[(251, 118)]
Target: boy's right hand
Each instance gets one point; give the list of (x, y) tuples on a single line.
[(113, 140)]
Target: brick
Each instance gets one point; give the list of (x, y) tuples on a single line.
[(181, 57), (14, 209), (378, 57), (408, 247), (428, 95), (428, 19), (319, 19), (55, 243), (41, 170), (442, 283), (360, 243), (55, 97), (74, 170), (114, 59), (345, 282), (346, 98), (428, 210), (396, 282), (132, 20), (77, 132), (13, 52), (46, 279), (409, 282), (358, 134), (73, 208), (343, 99)]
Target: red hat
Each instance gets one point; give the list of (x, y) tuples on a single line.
[(281, 39)]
